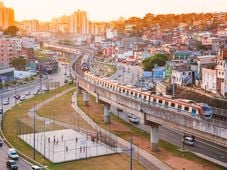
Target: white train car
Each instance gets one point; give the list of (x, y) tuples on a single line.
[(180, 105)]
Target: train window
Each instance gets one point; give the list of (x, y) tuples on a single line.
[(160, 101), (179, 107), (172, 104), (131, 93), (123, 90), (186, 108), (139, 95)]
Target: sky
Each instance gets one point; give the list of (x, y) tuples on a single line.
[(106, 10)]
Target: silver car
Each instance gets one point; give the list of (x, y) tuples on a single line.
[(188, 140)]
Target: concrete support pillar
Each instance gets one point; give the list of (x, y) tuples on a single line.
[(79, 90), (106, 113), (97, 98), (154, 135), (86, 98)]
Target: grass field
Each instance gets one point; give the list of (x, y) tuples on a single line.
[(125, 130), (63, 112), (20, 112)]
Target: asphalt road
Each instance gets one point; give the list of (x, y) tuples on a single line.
[(60, 76), (201, 146), (173, 136)]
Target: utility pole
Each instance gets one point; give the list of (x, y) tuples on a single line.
[(34, 114), (1, 109), (15, 94), (131, 152)]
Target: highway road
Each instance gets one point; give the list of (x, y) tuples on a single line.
[(59, 76), (173, 136), (201, 146)]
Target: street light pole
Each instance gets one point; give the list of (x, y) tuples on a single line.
[(131, 150), (2, 109), (34, 114), (15, 94), (44, 138)]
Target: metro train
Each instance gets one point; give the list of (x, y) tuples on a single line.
[(85, 62), (194, 109), (61, 48)]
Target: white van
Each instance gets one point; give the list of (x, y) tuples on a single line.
[(13, 154)]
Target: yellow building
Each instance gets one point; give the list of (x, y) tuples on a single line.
[(6, 16)]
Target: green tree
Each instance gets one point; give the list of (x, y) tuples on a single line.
[(199, 46), (18, 62), (159, 59), (11, 30)]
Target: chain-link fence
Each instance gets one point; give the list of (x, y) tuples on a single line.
[(59, 143)]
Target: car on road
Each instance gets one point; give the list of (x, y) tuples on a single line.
[(5, 102), (35, 92), (22, 98), (188, 140), (11, 164), (17, 97), (1, 142), (36, 167), (27, 93), (130, 115), (12, 154), (134, 119)]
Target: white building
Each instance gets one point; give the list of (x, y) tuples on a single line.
[(30, 42), (181, 75), (110, 33), (209, 80)]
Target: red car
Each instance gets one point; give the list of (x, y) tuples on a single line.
[(17, 97)]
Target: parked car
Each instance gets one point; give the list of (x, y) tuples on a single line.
[(188, 140), (12, 154), (11, 164), (5, 102), (134, 119), (22, 98), (27, 93), (1, 142), (36, 167)]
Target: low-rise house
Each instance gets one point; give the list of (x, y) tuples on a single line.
[(182, 75), (209, 80)]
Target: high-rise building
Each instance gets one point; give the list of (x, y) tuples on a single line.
[(34, 26), (72, 23), (8, 51), (78, 22), (82, 22), (6, 16)]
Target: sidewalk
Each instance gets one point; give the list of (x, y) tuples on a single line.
[(147, 157), (142, 153)]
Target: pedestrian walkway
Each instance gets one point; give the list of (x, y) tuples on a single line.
[(67, 144), (145, 157)]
